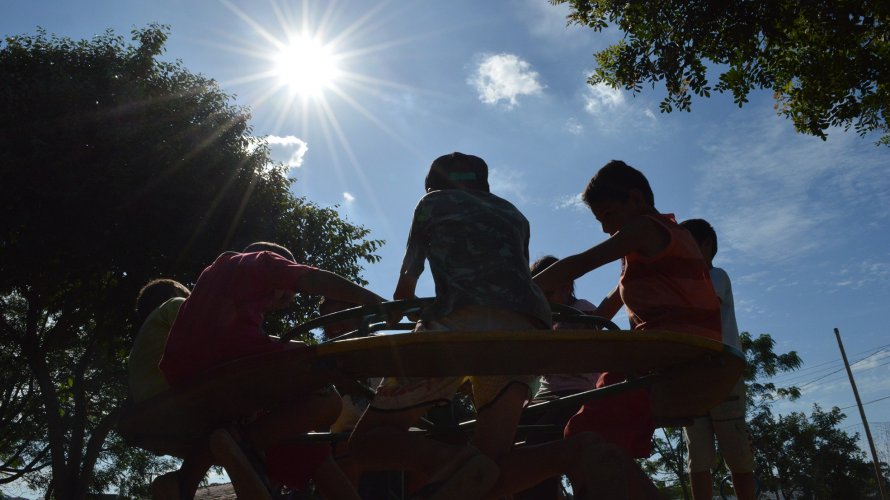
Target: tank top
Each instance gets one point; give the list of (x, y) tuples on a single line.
[(671, 290)]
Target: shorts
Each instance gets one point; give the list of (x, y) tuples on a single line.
[(624, 419), (726, 422), (293, 465), (403, 393)]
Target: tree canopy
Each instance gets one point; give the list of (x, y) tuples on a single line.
[(117, 168), (826, 62)]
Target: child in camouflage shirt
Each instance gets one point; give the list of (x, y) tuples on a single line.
[(477, 247)]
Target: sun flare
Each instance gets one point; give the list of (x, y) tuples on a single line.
[(306, 66)]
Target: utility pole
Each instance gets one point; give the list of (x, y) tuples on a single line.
[(871, 443)]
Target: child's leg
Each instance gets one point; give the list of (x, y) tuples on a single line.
[(595, 467), (314, 412), (381, 441), (744, 485), (193, 470), (332, 483), (184, 482), (245, 478), (497, 421), (702, 485)]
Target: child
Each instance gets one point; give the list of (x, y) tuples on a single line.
[(477, 247), (558, 385), (726, 421), (157, 304), (664, 285), (555, 386), (222, 320)]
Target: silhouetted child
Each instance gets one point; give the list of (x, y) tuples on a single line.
[(555, 386), (222, 321), (726, 421), (477, 248), (157, 304), (664, 285)]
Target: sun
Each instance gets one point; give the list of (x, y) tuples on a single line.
[(306, 66)]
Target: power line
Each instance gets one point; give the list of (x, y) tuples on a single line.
[(870, 402), (803, 372), (841, 369)]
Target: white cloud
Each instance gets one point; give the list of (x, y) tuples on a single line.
[(570, 201), (601, 97), (550, 21), (574, 127), (863, 273), (295, 160), (775, 196), (507, 184), (347, 197), (613, 112), (876, 360), (505, 77)]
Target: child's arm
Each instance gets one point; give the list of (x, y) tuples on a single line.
[(639, 235), (321, 282), (610, 305), (405, 288)]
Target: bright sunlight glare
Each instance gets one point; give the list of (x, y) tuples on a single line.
[(306, 66)]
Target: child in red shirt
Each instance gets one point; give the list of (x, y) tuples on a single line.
[(222, 320)]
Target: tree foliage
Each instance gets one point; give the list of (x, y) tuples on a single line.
[(810, 457), (827, 62), (117, 168)]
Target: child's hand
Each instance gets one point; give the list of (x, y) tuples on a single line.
[(394, 318)]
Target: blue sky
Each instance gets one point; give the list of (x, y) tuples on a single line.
[(803, 224)]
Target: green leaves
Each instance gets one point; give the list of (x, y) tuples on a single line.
[(118, 168), (827, 63)]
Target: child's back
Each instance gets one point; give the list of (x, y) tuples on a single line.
[(477, 245), (222, 318)]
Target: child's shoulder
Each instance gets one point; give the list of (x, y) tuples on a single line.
[(463, 199)]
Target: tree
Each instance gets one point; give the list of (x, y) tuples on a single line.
[(809, 457), (118, 168), (669, 460), (827, 62)]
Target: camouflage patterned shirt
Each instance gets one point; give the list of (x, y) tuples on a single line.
[(477, 247)]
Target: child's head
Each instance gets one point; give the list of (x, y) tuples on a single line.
[(281, 299), (266, 246), (330, 306), (617, 193), (562, 295), (704, 235), (155, 293), (457, 171)]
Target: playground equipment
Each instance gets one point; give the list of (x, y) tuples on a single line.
[(687, 375)]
